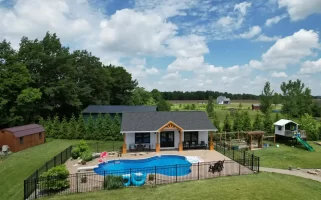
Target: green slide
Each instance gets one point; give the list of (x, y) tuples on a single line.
[(305, 143)]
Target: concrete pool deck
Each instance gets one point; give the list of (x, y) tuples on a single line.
[(205, 155)]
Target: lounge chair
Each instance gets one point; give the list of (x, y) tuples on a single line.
[(196, 145), (186, 145), (217, 167), (193, 146), (132, 147), (203, 145)]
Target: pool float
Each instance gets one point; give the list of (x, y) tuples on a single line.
[(138, 179), (126, 180)]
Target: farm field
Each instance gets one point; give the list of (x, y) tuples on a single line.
[(20, 165), (266, 186), (205, 101)]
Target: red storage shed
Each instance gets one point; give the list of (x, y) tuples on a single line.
[(22, 137)]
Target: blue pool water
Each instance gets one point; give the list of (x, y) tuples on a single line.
[(170, 165)]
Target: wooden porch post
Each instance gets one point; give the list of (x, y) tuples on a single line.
[(180, 147), (157, 142), (211, 141), (124, 145)]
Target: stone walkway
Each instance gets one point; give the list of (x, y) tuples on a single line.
[(293, 173)]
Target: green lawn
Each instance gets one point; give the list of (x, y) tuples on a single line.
[(18, 166), (255, 187), (286, 156)]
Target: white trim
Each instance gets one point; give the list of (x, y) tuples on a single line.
[(157, 131)]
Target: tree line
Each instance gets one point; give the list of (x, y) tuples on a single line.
[(104, 127), (42, 79)]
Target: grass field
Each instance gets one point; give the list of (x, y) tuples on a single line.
[(286, 156), (18, 166), (265, 186)]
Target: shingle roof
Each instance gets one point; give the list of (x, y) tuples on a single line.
[(21, 131), (152, 121), (118, 109), (283, 122)]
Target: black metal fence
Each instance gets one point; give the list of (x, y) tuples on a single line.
[(243, 157), (30, 184), (92, 181), (105, 146)]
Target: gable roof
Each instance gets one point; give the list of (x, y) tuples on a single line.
[(223, 98), (283, 122), (25, 130), (117, 109), (152, 121)]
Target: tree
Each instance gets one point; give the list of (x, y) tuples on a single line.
[(163, 105), (140, 96), (266, 98), (309, 125), (297, 99), (277, 117), (237, 122), (227, 124), (217, 122), (267, 123), (258, 124), (246, 122), (316, 110), (156, 95), (210, 106), (240, 105), (276, 99)]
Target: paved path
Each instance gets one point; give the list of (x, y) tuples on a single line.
[(293, 173)]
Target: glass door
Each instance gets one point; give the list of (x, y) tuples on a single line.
[(167, 139)]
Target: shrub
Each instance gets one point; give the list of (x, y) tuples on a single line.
[(113, 182), (151, 177), (87, 156), (75, 153), (55, 179), (83, 146)]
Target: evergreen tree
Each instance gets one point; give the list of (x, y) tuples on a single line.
[(246, 123), (97, 134), (116, 128), (163, 105), (266, 98), (56, 127), (81, 133), (107, 128), (267, 123), (210, 106), (217, 122), (72, 128), (237, 124), (63, 129), (227, 123), (258, 124), (90, 128), (277, 117)]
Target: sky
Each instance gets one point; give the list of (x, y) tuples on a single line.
[(187, 45)]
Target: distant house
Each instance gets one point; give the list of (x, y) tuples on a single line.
[(112, 110), (22, 137), (255, 106), (223, 100)]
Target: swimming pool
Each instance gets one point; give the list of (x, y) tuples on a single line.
[(169, 165)]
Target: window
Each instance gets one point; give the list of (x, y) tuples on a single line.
[(21, 140), (280, 128), (40, 135), (142, 138), (191, 136)]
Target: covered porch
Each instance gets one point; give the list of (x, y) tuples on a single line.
[(178, 135), (168, 137)]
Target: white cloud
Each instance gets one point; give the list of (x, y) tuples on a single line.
[(289, 50), (264, 38), (274, 20), (276, 74), (140, 71), (138, 61), (186, 64), (255, 30), (172, 76), (300, 9), (311, 67), (243, 7)]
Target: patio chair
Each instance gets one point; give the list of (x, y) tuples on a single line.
[(193, 146), (197, 145), (185, 145), (140, 147), (203, 145), (146, 147), (132, 147)]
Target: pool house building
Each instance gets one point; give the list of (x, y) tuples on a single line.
[(165, 130)]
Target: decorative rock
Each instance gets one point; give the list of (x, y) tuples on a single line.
[(79, 161), (312, 172), (298, 168), (96, 155), (318, 170)]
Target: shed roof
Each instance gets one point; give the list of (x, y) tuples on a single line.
[(255, 104), (283, 122), (152, 121), (25, 130), (117, 109)]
